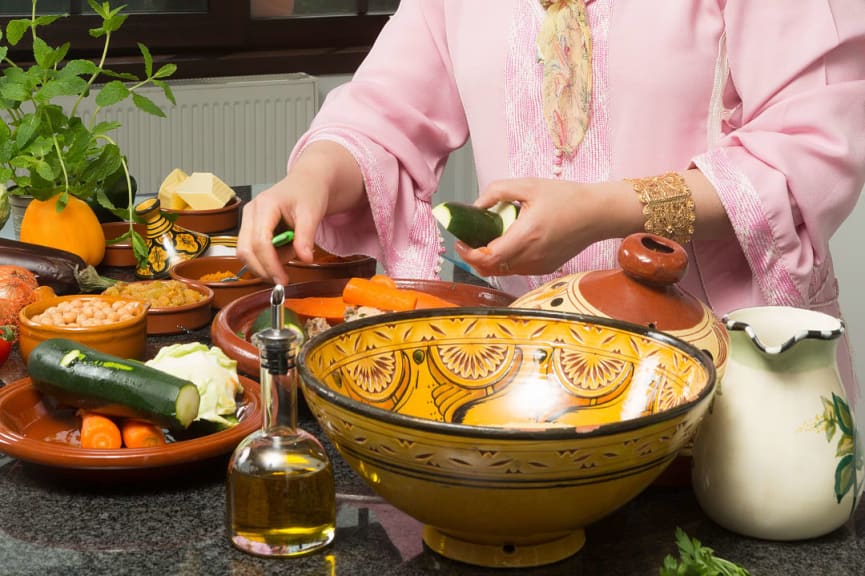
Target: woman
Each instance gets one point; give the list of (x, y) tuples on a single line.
[(736, 127)]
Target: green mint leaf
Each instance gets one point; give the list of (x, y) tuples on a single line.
[(119, 75), (148, 59), (77, 67), (48, 19), (115, 21), (60, 87), (112, 93), (147, 105), (166, 89), (3, 50), (43, 53), (15, 30), (105, 127), (165, 71)]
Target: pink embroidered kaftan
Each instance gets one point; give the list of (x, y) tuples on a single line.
[(766, 98)]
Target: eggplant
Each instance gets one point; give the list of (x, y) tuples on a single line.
[(64, 272)]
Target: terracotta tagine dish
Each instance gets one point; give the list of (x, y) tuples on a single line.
[(505, 432), (642, 291)]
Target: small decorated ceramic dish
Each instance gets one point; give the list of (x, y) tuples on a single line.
[(208, 270), (209, 221), (120, 254), (175, 307), (505, 431), (326, 266)]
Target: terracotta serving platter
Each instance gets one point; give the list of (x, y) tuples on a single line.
[(33, 431), (231, 325)]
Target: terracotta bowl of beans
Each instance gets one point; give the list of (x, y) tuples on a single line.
[(111, 324), (175, 306), (210, 270)]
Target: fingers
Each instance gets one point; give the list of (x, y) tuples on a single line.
[(261, 216)]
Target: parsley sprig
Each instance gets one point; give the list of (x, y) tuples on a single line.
[(697, 560)]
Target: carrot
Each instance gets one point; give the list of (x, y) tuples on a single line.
[(327, 307), (141, 434), (364, 292), (99, 432), (384, 280), (427, 300)]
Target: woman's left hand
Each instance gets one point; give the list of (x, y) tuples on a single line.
[(557, 220)]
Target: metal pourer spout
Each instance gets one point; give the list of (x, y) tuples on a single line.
[(277, 345)]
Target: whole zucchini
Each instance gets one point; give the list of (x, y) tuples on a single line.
[(79, 376), (64, 272)]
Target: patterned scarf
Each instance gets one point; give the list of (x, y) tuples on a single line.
[(565, 49)]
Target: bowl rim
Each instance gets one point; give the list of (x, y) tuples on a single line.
[(499, 433)]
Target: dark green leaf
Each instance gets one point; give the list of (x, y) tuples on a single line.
[(842, 414), (147, 105), (845, 475), (15, 30), (112, 93)]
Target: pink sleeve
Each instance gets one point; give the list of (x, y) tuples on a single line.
[(400, 117), (791, 162)]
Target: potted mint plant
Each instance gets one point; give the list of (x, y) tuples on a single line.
[(48, 149)]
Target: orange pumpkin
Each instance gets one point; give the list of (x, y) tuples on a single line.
[(75, 229)]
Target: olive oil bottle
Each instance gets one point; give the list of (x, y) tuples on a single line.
[(280, 498)]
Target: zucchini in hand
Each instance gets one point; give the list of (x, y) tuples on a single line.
[(79, 376), (476, 226)]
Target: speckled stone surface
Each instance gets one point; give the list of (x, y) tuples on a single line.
[(172, 524)]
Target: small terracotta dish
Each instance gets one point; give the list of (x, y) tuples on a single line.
[(209, 221), (177, 319), (231, 326), (505, 431), (224, 293), (326, 266), (120, 255), (126, 338), (33, 431)]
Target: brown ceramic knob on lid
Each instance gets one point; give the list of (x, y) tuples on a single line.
[(643, 291)]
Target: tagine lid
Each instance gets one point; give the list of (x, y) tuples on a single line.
[(643, 291)]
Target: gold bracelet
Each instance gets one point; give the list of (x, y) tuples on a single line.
[(667, 206)]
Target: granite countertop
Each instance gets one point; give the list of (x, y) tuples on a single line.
[(172, 523)]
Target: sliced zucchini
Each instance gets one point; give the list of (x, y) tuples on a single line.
[(476, 226)]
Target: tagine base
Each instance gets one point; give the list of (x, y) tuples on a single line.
[(506, 554)]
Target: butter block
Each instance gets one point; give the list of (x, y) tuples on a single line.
[(204, 191), (167, 194)]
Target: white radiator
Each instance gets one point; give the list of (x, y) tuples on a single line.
[(241, 129)]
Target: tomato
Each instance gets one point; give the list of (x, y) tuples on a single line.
[(7, 336)]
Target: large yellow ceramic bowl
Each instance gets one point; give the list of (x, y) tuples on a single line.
[(506, 432)]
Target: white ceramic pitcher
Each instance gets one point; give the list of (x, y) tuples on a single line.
[(776, 457)]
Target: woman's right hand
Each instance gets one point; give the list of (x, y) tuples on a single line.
[(325, 178)]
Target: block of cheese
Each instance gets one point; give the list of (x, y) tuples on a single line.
[(204, 191), (167, 195)]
